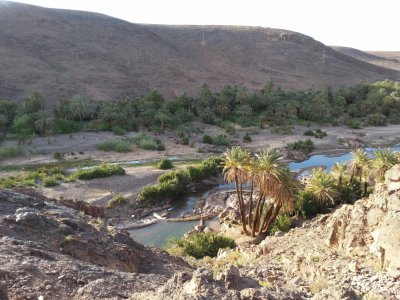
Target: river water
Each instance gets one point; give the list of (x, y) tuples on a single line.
[(158, 234)]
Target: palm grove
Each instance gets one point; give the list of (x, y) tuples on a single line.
[(364, 104), (273, 191)]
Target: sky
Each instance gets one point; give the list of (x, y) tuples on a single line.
[(361, 24)]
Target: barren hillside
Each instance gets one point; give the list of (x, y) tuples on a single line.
[(387, 59), (61, 52)]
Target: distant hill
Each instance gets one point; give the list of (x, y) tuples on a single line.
[(62, 52), (387, 59)]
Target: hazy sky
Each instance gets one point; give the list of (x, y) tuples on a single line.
[(362, 24)]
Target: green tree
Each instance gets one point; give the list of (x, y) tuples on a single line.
[(33, 103), (383, 160), (79, 107), (322, 186), (235, 163)]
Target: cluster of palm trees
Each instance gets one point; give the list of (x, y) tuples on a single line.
[(271, 184), (274, 189)]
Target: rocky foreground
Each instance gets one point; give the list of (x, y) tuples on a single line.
[(50, 250)]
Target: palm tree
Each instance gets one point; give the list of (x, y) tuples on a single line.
[(322, 186), (281, 197), (383, 160), (79, 107), (339, 172), (235, 164), (358, 162), (269, 171)]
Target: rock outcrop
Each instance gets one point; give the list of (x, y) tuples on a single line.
[(371, 225), (57, 252)]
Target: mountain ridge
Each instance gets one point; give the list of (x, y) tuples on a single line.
[(63, 52)]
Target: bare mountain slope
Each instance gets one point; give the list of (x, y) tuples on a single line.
[(61, 52), (386, 59)]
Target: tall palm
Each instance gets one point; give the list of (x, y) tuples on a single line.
[(269, 170), (383, 160), (322, 186), (79, 107), (282, 197), (235, 163), (339, 172), (358, 162)]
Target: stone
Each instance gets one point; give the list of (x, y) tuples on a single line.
[(395, 274), (353, 266)]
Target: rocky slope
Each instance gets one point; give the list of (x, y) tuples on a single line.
[(51, 250), (388, 59), (60, 52)]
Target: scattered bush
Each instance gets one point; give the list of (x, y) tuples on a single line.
[(66, 126), (50, 181), (207, 139), (58, 155), (118, 130), (200, 245), (283, 129), (377, 120), (318, 133), (10, 151), (353, 123), (307, 206), (165, 164), (116, 146), (143, 141), (104, 170), (247, 138), (218, 140), (116, 200), (282, 223), (46, 176), (305, 146), (173, 183)]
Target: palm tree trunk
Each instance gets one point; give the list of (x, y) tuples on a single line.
[(257, 216), (275, 213), (260, 214), (241, 206), (365, 188), (250, 222), (267, 217)]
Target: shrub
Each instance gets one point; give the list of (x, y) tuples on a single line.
[(143, 141), (247, 138), (318, 133), (307, 206), (165, 164), (10, 151), (173, 183), (116, 200), (309, 132), (104, 170), (118, 130), (65, 126), (200, 245), (207, 139), (116, 146), (50, 181), (58, 155), (218, 140), (282, 223), (353, 123), (377, 120), (305, 146)]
